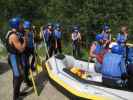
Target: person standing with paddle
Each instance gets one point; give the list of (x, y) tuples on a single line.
[(49, 38)]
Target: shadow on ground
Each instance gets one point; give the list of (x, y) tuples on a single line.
[(41, 81)]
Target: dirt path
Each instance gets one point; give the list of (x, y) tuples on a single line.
[(49, 92)]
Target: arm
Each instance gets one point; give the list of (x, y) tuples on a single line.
[(73, 37), (15, 41), (79, 36), (93, 47), (123, 66)]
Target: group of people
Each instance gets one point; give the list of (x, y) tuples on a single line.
[(52, 36), (112, 59), (20, 47), (53, 39)]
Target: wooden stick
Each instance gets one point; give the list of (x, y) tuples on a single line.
[(33, 82)]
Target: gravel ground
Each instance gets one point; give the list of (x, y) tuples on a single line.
[(48, 91)]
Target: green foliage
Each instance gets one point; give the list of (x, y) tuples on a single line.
[(89, 14)]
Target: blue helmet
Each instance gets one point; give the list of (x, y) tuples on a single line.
[(57, 25), (14, 23), (76, 29), (99, 37), (27, 24), (117, 49), (106, 27)]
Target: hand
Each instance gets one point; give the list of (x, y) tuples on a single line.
[(124, 76)]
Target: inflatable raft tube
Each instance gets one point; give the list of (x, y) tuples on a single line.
[(92, 88)]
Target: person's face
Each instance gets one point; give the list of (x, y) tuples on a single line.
[(124, 30), (49, 27)]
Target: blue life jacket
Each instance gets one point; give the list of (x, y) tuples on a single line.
[(46, 35), (113, 65), (130, 55), (30, 40), (105, 36), (57, 34), (20, 36), (121, 38), (99, 48)]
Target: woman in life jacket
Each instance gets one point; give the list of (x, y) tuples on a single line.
[(96, 52)]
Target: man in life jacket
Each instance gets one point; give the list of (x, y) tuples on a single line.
[(29, 51), (49, 39), (58, 37), (97, 52), (76, 38), (114, 72), (15, 47)]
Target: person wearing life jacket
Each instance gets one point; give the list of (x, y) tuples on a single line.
[(97, 52), (106, 35), (96, 47), (49, 39), (114, 73), (29, 52), (15, 47), (121, 39), (76, 38), (58, 37)]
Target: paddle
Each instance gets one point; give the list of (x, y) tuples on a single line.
[(45, 45)]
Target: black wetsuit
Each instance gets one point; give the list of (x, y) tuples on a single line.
[(14, 59)]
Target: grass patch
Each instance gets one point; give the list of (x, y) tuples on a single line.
[(66, 49), (3, 53)]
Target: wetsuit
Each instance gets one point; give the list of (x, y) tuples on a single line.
[(76, 44), (30, 50), (58, 35), (14, 59), (50, 41)]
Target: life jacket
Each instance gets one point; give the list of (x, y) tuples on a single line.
[(49, 38), (130, 55), (30, 40), (47, 35), (106, 36), (99, 48), (57, 34), (113, 66), (121, 38), (20, 36), (10, 47)]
